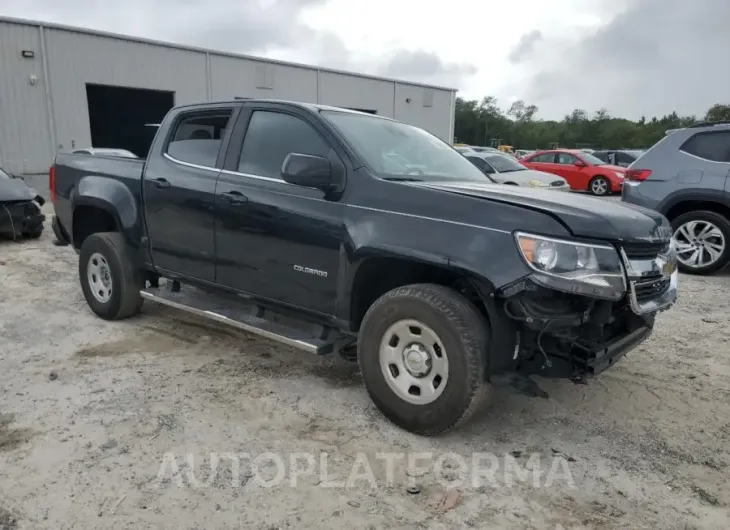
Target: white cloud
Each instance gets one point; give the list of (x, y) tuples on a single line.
[(632, 56)]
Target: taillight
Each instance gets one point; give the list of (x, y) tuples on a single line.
[(52, 183), (637, 175)]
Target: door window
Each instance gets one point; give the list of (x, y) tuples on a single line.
[(545, 158), (478, 162), (624, 158), (271, 136), (713, 146), (198, 136), (566, 159)]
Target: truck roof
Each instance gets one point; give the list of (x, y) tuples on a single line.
[(314, 107)]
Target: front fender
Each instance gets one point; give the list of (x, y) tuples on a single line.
[(114, 198)]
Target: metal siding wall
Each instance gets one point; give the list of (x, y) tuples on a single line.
[(75, 59), (436, 119), (25, 144), (231, 77), (341, 90)]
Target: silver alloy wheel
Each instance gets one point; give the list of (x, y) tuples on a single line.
[(99, 276), (699, 243), (599, 186), (414, 362)]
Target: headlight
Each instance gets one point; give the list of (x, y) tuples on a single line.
[(619, 175), (537, 183), (579, 268)]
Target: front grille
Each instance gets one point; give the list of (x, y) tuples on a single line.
[(645, 250), (652, 288), (556, 183)]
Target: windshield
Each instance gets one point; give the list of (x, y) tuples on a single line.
[(504, 164), (395, 150), (592, 160), (4, 175)]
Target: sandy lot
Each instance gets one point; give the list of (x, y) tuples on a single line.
[(112, 425)]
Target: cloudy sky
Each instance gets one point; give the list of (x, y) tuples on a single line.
[(633, 57)]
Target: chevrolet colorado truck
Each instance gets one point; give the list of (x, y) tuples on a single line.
[(334, 231)]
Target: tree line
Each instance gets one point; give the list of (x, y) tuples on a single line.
[(484, 123)]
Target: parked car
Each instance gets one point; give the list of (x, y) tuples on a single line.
[(521, 153), (478, 149), (20, 208), (583, 171), (293, 224), (623, 158), (685, 176), (104, 151), (504, 169)]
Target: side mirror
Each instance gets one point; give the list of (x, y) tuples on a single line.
[(579, 163), (307, 170)]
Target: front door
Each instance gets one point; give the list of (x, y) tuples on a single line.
[(179, 194), (577, 176), (276, 240)]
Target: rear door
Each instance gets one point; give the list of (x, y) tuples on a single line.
[(276, 240), (179, 192), (542, 162)]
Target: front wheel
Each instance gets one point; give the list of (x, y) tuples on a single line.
[(110, 283), (422, 351), (703, 242), (599, 186)]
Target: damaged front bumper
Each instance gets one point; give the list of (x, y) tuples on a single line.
[(21, 219), (563, 335)]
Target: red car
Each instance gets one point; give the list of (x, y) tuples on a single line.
[(583, 171)]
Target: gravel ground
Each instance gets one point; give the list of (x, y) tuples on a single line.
[(112, 425)]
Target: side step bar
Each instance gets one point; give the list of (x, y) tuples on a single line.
[(247, 317)]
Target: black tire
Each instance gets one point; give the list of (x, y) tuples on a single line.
[(722, 224), (465, 335), (126, 281), (596, 179)]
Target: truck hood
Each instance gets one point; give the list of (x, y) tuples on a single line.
[(583, 216), (16, 190)]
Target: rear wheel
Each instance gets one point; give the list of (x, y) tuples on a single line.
[(703, 242), (110, 283), (599, 186), (422, 351)]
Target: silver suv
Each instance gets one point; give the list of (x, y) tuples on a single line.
[(686, 177)]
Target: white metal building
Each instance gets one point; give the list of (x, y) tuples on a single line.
[(63, 88)]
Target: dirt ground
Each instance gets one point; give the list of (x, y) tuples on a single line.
[(112, 425)]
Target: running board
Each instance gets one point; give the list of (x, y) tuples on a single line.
[(247, 317)]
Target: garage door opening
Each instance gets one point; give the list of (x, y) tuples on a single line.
[(119, 116)]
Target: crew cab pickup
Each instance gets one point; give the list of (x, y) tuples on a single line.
[(334, 231)]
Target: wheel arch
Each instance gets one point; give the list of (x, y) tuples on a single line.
[(376, 275), (101, 204)]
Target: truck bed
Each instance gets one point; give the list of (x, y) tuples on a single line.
[(70, 169)]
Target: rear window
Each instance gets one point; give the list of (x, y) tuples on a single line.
[(197, 137), (713, 146)]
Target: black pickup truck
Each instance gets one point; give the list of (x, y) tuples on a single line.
[(339, 232)]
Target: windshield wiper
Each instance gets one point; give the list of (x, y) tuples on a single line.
[(402, 179)]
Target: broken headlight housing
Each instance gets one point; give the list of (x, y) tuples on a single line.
[(573, 267)]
